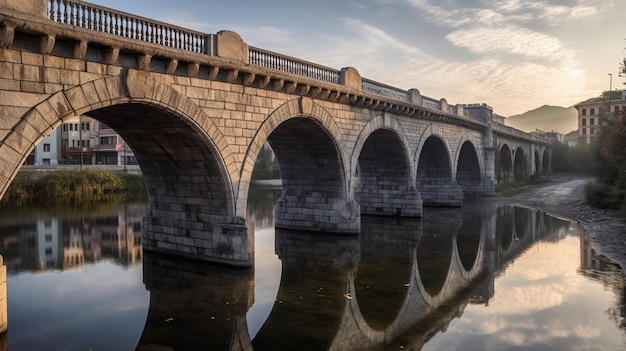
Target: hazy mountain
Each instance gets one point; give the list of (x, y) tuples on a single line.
[(547, 118)]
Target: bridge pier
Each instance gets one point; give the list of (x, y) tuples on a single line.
[(219, 239), (324, 215), (441, 192)]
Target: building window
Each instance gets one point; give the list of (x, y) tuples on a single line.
[(591, 122), (84, 126), (48, 238), (592, 111), (46, 161), (65, 127), (46, 147), (584, 131), (110, 140), (48, 251), (584, 112), (592, 131), (584, 122), (71, 127)]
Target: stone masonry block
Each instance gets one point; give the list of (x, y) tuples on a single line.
[(33, 59), (32, 87), (102, 90), (75, 65), (89, 89), (27, 73), (28, 131), (53, 61), (10, 55), (60, 105), (48, 113), (38, 122), (50, 88), (10, 115), (114, 70), (9, 161), (98, 68), (76, 98), (18, 143), (6, 70), (69, 77), (52, 75)]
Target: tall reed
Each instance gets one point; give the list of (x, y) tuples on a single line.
[(71, 186)]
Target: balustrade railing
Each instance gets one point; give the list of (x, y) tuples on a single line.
[(106, 20), (431, 103), (373, 87), (283, 63)]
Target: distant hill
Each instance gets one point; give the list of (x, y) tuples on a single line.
[(547, 118)]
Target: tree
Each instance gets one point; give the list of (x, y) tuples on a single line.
[(613, 148)]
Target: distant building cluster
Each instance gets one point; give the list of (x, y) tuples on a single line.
[(592, 114), (66, 244), (82, 141), (592, 110)]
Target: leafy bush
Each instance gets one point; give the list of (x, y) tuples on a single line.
[(604, 196)]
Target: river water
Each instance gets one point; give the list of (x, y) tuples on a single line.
[(481, 277)]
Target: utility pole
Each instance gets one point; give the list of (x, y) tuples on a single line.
[(80, 140)]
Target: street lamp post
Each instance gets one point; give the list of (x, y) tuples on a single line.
[(608, 111)]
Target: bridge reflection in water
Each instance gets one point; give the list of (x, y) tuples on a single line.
[(399, 283)]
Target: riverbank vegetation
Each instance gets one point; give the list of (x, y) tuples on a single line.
[(72, 187), (609, 148)]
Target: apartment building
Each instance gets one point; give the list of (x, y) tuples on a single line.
[(82, 141), (592, 112)]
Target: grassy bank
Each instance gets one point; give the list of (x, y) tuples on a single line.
[(65, 187)]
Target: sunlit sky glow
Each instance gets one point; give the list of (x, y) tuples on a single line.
[(515, 55)]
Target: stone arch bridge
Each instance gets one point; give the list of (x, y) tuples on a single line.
[(196, 109)]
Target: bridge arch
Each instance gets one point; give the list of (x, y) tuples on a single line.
[(520, 165), (504, 164), (434, 176), (311, 157), (469, 168), (545, 159), (382, 170)]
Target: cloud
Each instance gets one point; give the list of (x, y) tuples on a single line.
[(455, 16), (510, 39)]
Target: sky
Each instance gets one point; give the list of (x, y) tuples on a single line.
[(514, 55)]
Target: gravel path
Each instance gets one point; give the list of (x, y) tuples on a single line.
[(562, 196)]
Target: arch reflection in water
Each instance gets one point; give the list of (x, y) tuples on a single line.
[(376, 291), (196, 306)]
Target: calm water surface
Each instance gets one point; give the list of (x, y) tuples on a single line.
[(483, 277)]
